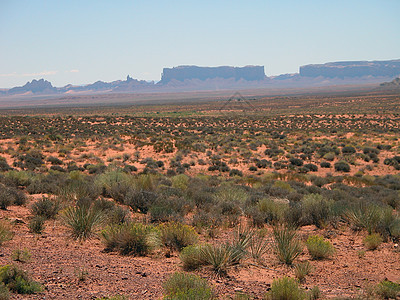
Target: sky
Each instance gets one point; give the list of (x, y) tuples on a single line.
[(80, 42)]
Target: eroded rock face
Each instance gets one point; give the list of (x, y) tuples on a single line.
[(182, 73), (389, 68)]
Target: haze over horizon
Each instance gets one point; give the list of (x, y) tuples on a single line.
[(82, 42)]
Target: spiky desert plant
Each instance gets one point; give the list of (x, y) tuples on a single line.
[(301, 270), (286, 244), (82, 221)]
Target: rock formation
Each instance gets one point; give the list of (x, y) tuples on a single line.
[(389, 68), (182, 73)]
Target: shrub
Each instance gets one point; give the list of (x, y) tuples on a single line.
[(286, 245), (325, 164), (182, 286), (285, 288), (177, 236), (4, 292), (253, 168), (36, 224), (348, 150), (5, 197), (5, 232), (311, 167), (342, 166), (18, 281), (129, 238), (318, 247), (301, 270), (46, 208), (388, 289), (140, 200), (180, 181), (316, 210), (117, 297), (372, 241), (21, 255), (191, 257), (82, 221), (235, 172), (272, 210)]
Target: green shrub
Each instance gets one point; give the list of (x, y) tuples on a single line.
[(18, 281), (117, 297), (180, 181), (129, 238), (36, 224), (82, 221), (286, 244), (191, 257), (342, 166), (4, 292), (46, 208), (176, 235), (5, 232), (182, 286), (272, 210), (388, 289), (316, 210), (21, 255), (372, 241), (318, 247), (285, 288), (5, 197)]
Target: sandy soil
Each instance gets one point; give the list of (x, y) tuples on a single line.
[(57, 262)]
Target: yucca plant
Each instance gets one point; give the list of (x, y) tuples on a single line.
[(301, 270), (241, 242), (219, 257), (286, 244), (259, 245), (82, 221)]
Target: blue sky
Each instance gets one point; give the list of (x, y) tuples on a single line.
[(81, 42)]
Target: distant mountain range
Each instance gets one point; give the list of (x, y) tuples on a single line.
[(194, 78)]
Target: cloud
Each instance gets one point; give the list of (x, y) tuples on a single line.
[(9, 75), (44, 73), (74, 71)]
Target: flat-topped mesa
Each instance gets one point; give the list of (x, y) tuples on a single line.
[(182, 73), (388, 68)]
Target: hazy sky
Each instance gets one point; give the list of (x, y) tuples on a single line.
[(84, 41)]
